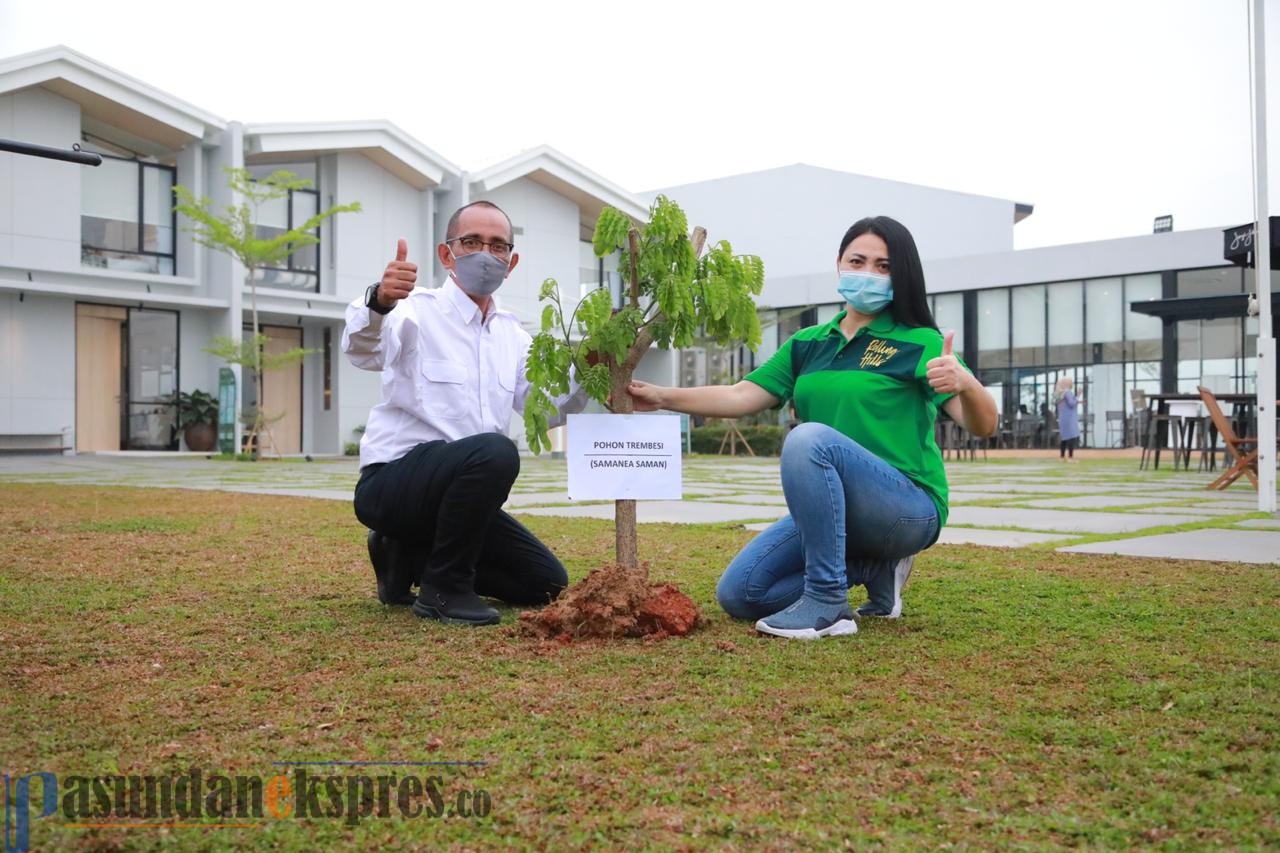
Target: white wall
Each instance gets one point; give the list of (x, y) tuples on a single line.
[(548, 246), (366, 241), (198, 369), (37, 350), (793, 217), (1101, 259), (189, 260), (39, 198), (355, 392)]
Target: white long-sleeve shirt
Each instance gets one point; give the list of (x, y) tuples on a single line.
[(447, 371)]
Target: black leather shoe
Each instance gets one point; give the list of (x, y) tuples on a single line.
[(393, 581), (454, 608)]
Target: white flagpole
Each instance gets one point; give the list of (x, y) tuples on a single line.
[(1266, 385)]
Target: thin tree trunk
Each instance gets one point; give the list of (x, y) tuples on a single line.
[(624, 512), (257, 368)]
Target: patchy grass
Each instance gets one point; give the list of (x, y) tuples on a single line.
[(1028, 699)]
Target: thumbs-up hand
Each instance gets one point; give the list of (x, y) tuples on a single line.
[(945, 373), (398, 278)]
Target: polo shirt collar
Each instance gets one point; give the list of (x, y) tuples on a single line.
[(880, 323)]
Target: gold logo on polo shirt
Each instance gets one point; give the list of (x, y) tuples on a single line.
[(877, 354)]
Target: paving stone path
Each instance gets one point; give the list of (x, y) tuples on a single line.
[(1100, 506)]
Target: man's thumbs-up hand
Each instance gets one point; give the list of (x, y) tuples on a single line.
[(398, 278), (945, 373)]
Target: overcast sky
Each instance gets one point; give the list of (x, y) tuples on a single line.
[(1101, 114)]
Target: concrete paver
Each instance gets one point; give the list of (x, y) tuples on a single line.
[(1207, 511), (1236, 546), (757, 499), (1059, 520), (673, 512), (1091, 502), (993, 538)]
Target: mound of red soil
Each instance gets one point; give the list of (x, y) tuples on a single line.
[(615, 602)]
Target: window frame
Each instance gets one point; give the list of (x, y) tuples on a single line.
[(289, 267), (141, 222)]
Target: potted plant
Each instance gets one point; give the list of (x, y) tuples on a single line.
[(198, 420)]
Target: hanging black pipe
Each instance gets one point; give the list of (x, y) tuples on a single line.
[(75, 155)]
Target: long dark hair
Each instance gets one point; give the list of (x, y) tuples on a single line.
[(910, 306)]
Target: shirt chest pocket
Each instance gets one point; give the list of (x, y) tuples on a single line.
[(505, 370), (442, 388)]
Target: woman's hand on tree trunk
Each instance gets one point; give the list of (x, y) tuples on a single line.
[(647, 398)]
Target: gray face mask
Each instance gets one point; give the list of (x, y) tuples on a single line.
[(479, 273)]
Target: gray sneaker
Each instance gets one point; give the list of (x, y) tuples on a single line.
[(884, 590), (809, 620)]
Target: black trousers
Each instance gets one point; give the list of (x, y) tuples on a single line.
[(443, 502)]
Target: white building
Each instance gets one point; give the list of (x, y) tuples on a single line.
[(1161, 312), (106, 304)]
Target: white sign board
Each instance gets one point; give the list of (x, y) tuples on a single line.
[(624, 457)]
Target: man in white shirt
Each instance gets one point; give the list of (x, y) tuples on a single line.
[(436, 464)]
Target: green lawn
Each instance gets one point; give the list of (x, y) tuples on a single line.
[(1029, 698)]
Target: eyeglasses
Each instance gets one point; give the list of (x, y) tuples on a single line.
[(497, 248)]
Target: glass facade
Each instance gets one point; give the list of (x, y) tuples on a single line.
[(1026, 337)]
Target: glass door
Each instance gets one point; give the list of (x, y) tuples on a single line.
[(152, 416)]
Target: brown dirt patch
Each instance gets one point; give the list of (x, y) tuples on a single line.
[(615, 602)]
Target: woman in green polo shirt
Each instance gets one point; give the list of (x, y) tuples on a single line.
[(862, 475)]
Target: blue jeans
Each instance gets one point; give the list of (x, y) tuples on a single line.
[(852, 515)]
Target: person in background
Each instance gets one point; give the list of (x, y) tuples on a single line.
[(862, 472), (1068, 418)]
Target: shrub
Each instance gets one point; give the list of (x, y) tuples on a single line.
[(765, 439)]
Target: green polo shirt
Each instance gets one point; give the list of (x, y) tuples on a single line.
[(871, 388)]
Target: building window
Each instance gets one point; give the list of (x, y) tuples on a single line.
[(1143, 334), (948, 313), (1210, 282), (127, 220), (993, 328), (1028, 326), (301, 270), (1066, 323), (328, 368), (1104, 319)]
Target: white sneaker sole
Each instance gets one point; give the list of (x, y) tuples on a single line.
[(901, 574), (842, 628), (896, 613)]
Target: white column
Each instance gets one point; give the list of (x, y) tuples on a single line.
[(1266, 385)]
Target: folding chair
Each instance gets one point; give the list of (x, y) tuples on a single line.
[(1115, 428), (1242, 451)]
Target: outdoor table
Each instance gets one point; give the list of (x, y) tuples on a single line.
[(1158, 405)]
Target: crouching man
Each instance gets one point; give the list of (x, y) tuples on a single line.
[(436, 464)]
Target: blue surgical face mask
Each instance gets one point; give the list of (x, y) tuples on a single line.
[(866, 293), (479, 273)]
